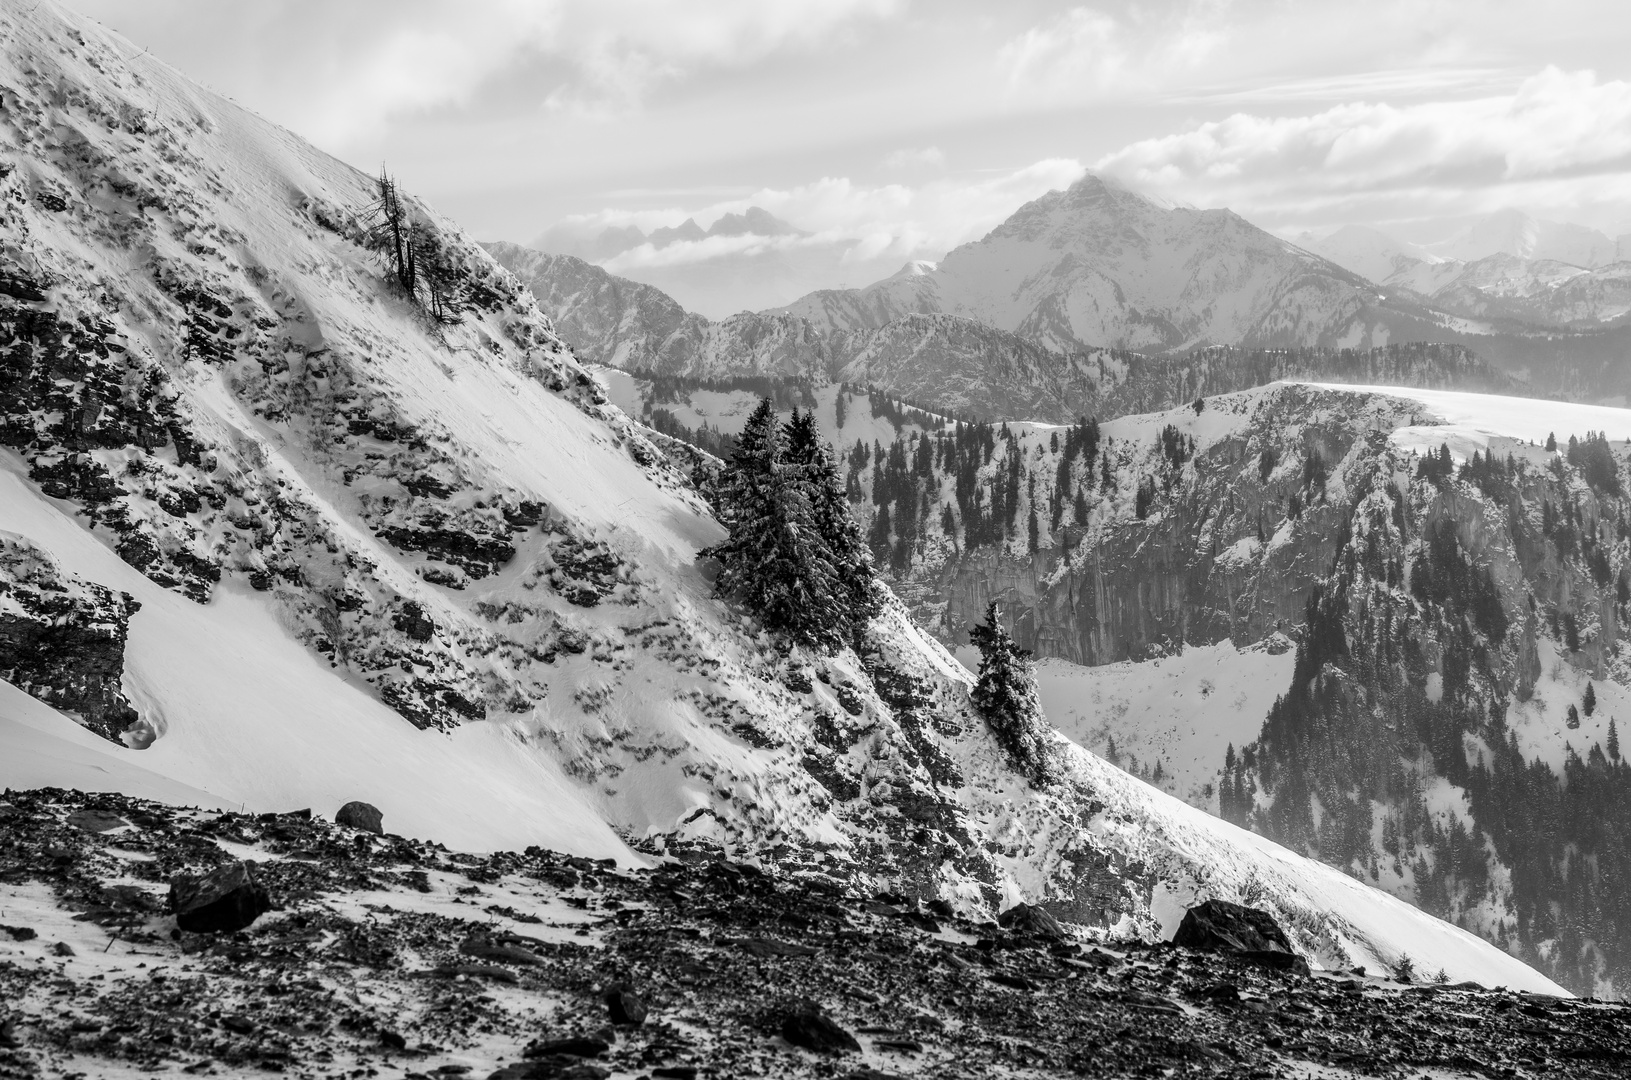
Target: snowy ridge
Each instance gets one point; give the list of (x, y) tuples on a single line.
[(419, 561)]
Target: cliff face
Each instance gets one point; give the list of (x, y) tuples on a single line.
[(62, 639), (1215, 559)]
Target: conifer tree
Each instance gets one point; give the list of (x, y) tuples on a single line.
[(1613, 740), (1588, 703), (1006, 697), (809, 456), (778, 560)]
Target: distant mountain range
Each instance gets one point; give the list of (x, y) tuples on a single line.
[(1542, 273), (1024, 317), (1099, 265), (743, 261), (950, 363), (611, 241)]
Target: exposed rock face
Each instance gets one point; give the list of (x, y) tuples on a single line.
[(63, 639), (1196, 572)]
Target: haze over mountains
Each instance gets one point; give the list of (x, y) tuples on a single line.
[(744, 261), (1506, 266)]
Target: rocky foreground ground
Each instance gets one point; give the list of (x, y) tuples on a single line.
[(388, 957)]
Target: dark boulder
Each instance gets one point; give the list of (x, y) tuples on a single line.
[(1032, 920), (807, 1026), (625, 1004), (361, 815), (1219, 926), (577, 1046), (223, 901)]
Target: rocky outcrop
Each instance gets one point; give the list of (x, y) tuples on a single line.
[(63, 639), (223, 901), (1221, 560), (1219, 925), (796, 975)]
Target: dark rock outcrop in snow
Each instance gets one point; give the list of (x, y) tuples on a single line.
[(63, 639), (1218, 924), (225, 900), (360, 815)]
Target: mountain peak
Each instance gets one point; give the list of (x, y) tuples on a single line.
[(754, 221)]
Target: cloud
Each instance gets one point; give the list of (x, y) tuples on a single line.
[(337, 72), (687, 252), (1090, 53), (1561, 135), (868, 221), (931, 157)]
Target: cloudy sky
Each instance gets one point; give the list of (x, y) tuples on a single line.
[(909, 126)]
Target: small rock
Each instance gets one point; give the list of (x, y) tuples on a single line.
[(583, 1046), (243, 1025), (392, 1041), (1275, 960), (62, 948), (224, 901), (807, 1026), (486, 948), (625, 1005), (1032, 920), (361, 815), (674, 1072), (96, 821), (20, 933)]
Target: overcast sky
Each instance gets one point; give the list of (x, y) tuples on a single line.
[(915, 125)]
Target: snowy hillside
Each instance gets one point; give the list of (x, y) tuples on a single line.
[(383, 539)]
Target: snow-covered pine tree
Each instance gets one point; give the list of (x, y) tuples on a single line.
[(1006, 697), (777, 560), (809, 455)]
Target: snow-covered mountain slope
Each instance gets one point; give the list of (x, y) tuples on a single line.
[(388, 543), (1510, 282), (1544, 292), (1376, 256), (1383, 259), (611, 320), (1515, 233), (1100, 265)]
